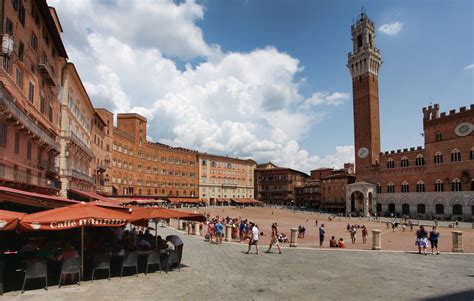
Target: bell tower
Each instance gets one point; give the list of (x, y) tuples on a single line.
[(364, 62)]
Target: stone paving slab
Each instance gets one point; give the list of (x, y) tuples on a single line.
[(216, 272)]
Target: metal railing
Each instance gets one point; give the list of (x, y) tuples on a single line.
[(78, 175), (21, 177), (82, 145), (8, 103)]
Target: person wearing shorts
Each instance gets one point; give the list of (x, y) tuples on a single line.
[(434, 235), (274, 239), (422, 240), (254, 239)]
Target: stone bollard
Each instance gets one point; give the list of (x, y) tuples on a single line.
[(293, 237), (197, 229), (228, 233), (376, 239), (180, 224), (457, 241)]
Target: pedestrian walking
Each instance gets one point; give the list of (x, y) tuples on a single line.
[(322, 231), (434, 237), (365, 234), (421, 239), (254, 239), (274, 239)]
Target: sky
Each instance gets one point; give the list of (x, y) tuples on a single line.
[(267, 79)]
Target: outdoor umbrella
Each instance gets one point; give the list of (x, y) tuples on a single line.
[(75, 216), (9, 219), (142, 215)]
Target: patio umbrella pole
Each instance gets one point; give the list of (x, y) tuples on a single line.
[(156, 233), (82, 251)]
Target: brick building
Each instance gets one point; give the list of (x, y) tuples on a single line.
[(77, 115), (276, 185), (144, 168), (309, 195), (433, 180), (102, 156), (222, 178), (30, 77)]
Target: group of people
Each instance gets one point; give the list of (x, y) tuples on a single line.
[(352, 229), (425, 239)]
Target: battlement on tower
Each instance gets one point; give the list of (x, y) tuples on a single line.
[(432, 114), (402, 151)]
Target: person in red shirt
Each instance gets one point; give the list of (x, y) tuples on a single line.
[(342, 244)]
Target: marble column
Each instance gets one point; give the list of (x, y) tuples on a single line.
[(197, 229), (376, 239), (294, 237), (228, 232), (457, 241)]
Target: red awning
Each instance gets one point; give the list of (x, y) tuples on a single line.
[(9, 219), (32, 198), (75, 216), (90, 195), (162, 213), (185, 200)]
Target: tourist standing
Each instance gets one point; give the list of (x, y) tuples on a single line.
[(241, 230), (219, 232), (274, 239), (434, 235), (353, 232), (254, 238), (211, 230), (421, 239), (322, 231), (365, 234)]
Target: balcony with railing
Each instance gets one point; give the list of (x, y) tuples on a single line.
[(78, 175), (73, 138), (47, 71), (7, 104), (20, 177)]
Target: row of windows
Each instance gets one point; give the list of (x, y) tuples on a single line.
[(421, 208), (420, 186), (226, 172), (152, 183), (223, 164), (140, 155), (438, 159)]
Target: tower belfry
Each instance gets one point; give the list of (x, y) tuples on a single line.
[(364, 62)]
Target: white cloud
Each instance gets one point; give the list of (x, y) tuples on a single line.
[(320, 98), (240, 104), (469, 67), (391, 28)]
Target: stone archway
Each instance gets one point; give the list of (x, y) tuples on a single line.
[(360, 197)]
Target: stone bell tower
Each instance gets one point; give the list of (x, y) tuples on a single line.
[(364, 62)]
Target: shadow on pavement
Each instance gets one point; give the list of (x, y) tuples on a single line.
[(460, 296)]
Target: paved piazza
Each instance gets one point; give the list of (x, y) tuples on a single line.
[(224, 272), (287, 219)]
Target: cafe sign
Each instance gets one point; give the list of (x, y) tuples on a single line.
[(78, 223)]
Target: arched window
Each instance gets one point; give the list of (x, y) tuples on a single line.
[(379, 207), (457, 209), (405, 187), (420, 208), (370, 41), (390, 188), (404, 162), (420, 186), (456, 185), (390, 163), (420, 160), (471, 154), (439, 136), (455, 156), (439, 187), (439, 209), (438, 158), (379, 188), (359, 41), (406, 209), (391, 207)]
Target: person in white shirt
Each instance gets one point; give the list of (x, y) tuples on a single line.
[(255, 237)]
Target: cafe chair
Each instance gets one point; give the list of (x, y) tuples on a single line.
[(101, 262), (2, 268), (36, 269), (71, 266), (130, 260), (153, 259)]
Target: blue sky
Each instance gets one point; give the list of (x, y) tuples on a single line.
[(423, 63), (268, 80)]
